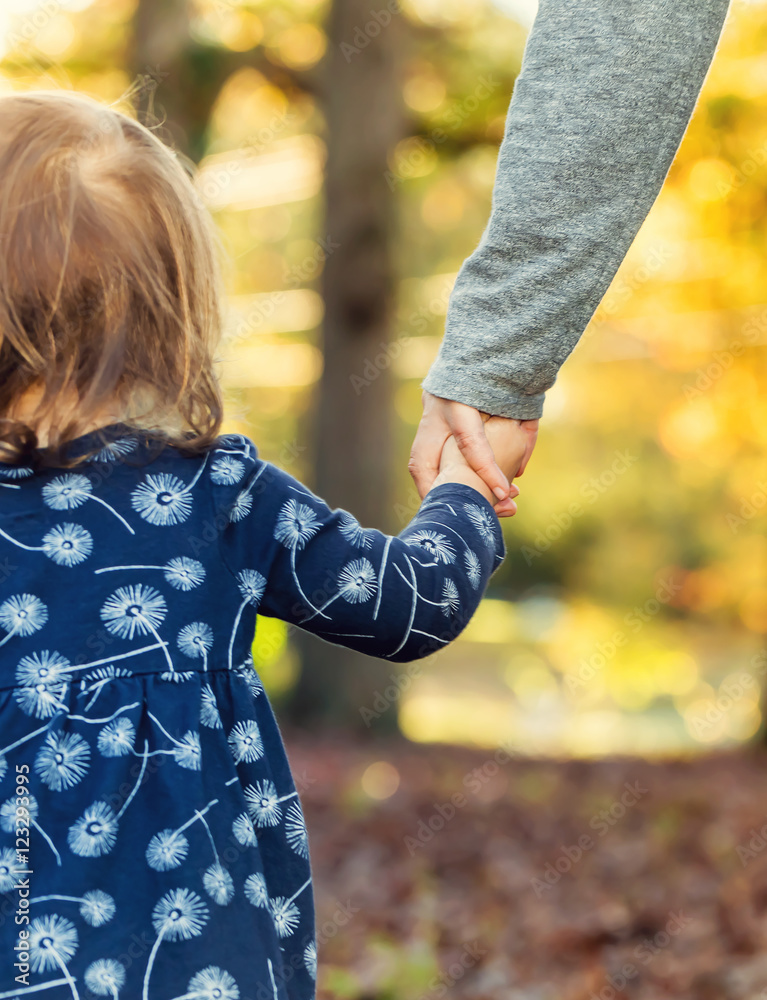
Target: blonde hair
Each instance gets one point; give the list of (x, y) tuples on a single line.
[(110, 285)]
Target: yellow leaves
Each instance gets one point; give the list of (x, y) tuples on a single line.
[(753, 610), (301, 45), (443, 205), (692, 430), (424, 91), (433, 713), (710, 179)]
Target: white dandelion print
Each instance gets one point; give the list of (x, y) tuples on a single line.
[(42, 680), (434, 544), (10, 869), (53, 942), (195, 641), (96, 907), (163, 499), (247, 672), (73, 490), (310, 959), (241, 507), (218, 884), (295, 830), (94, 834), (245, 742), (168, 848), (135, 610), (357, 581), (62, 761), (451, 601), (226, 471), (473, 568), (242, 828), (22, 615), (179, 916), (482, 521), (264, 804), (116, 739), (187, 751), (297, 524), (68, 544), (353, 531), (251, 584), (11, 813), (93, 683), (105, 977), (256, 891), (285, 913), (116, 449), (181, 572), (209, 714), (212, 983), (357, 584), (15, 471)]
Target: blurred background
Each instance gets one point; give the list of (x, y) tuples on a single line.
[(611, 685)]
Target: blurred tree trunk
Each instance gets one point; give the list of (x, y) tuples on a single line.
[(353, 426), (177, 81)]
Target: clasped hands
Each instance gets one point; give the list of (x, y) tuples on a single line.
[(456, 442)]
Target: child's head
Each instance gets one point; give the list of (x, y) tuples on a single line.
[(110, 295)]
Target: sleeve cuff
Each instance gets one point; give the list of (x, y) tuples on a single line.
[(463, 493), (466, 387)]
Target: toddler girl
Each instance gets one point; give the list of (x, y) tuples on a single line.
[(152, 842)]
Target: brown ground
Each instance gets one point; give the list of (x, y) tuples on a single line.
[(661, 904)]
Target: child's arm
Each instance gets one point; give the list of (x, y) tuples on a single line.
[(398, 597)]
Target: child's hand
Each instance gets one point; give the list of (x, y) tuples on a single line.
[(509, 442)]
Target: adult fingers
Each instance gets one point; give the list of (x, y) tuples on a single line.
[(426, 452), (467, 427)]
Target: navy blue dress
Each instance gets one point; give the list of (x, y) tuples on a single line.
[(152, 842)]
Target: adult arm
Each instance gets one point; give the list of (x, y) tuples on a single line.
[(606, 92)]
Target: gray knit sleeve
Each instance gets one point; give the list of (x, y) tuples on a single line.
[(606, 91)]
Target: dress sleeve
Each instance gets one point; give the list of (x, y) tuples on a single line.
[(399, 597), (606, 91)]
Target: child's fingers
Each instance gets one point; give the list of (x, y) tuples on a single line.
[(426, 451), (505, 508)]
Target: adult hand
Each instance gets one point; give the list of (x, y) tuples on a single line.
[(443, 417)]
